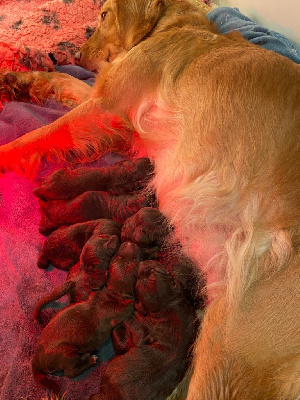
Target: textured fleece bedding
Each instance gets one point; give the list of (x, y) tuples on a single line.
[(35, 34), (22, 284)]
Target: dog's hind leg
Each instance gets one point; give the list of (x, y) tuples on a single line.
[(67, 287), (38, 87), (76, 364)]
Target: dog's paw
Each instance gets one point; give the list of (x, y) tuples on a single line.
[(9, 158), (14, 88)]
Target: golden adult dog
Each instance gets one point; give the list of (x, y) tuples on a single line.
[(220, 118)]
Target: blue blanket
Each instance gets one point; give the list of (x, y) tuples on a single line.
[(229, 19)]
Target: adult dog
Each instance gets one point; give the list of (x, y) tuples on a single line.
[(220, 118)]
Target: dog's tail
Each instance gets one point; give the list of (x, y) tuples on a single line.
[(42, 378)]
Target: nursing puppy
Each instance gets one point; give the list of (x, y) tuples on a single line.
[(89, 206), (220, 118), (125, 176), (147, 228), (73, 336), (87, 275), (153, 346), (63, 247)]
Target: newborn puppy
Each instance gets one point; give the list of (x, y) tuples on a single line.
[(154, 344), (147, 228), (74, 335), (124, 176), (95, 258), (63, 247), (91, 205), (71, 339), (150, 229), (87, 275), (73, 287), (123, 269)]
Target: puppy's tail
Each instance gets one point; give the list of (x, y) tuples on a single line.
[(42, 378)]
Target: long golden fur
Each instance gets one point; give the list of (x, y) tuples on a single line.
[(220, 118)]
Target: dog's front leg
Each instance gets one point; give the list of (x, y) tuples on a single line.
[(38, 87), (83, 134)]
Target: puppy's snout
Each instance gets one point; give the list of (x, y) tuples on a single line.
[(78, 56), (129, 248), (146, 268)]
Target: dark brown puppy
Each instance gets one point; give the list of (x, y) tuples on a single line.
[(89, 206), (87, 275), (148, 228), (123, 177), (123, 269), (73, 287), (71, 339), (95, 258), (63, 247), (154, 343)]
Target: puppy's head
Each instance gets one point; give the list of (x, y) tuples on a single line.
[(146, 228), (123, 269), (95, 257), (155, 288), (122, 25)]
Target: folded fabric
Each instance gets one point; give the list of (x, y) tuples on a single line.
[(229, 19)]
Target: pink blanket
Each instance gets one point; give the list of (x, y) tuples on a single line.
[(33, 33), (22, 284)]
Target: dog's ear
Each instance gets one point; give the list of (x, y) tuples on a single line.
[(136, 19), (153, 13)]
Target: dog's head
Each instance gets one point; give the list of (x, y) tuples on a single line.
[(122, 25)]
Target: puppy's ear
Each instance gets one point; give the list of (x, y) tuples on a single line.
[(112, 245), (143, 22)]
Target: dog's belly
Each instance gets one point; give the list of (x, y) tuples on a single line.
[(178, 196), (206, 247), (203, 242)]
